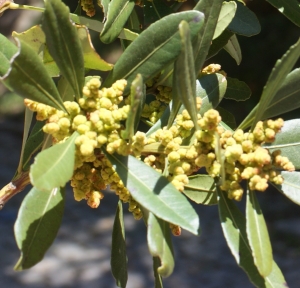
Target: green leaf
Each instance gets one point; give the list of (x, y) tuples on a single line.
[(160, 244), (137, 99), (227, 117), (211, 88), (157, 278), (201, 189), (104, 4), (258, 236), (54, 166), (92, 59), (219, 43), (288, 141), (65, 90), (234, 228), (154, 48), (211, 10), (155, 10), (118, 260), (28, 77), (276, 78), (225, 17), (64, 44), (237, 90), (98, 26), (33, 144), (117, 15), (244, 22), (234, 50), (289, 8), (184, 78), (291, 186), (38, 221), (155, 192)]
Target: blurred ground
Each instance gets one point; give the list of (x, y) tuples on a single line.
[(80, 256)]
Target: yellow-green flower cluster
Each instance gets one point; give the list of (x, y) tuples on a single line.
[(88, 7), (153, 111)]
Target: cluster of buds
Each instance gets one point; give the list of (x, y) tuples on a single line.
[(153, 111), (88, 7)]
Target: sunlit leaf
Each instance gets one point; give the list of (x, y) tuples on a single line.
[(244, 22), (118, 260), (288, 141), (234, 50), (54, 166), (38, 221), (160, 244), (258, 236), (117, 15), (225, 17), (234, 228), (154, 48), (28, 77), (155, 192), (291, 186), (104, 4), (63, 43), (201, 189), (289, 8)]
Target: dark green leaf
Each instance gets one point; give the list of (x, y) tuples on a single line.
[(237, 90), (117, 15), (54, 166), (28, 78), (155, 192), (226, 15), (65, 90), (258, 236), (38, 221), (288, 141), (155, 10), (211, 10), (154, 48), (227, 117), (137, 98), (184, 78), (276, 78), (289, 8), (33, 144), (234, 229), (160, 244), (201, 189), (211, 88), (233, 49), (118, 260), (64, 44), (244, 22), (157, 278), (291, 186), (219, 43)]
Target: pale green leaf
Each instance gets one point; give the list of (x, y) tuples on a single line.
[(37, 224), (288, 141), (201, 189), (155, 192), (225, 17), (63, 43), (54, 166), (104, 4), (117, 15), (234, 50), (118, 259), (291, 186), (258, 236), (160, 244)]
